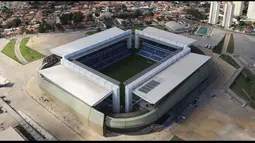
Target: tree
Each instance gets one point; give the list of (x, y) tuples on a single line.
[(60, 27), (108, 23), (159, 18), (207, 9), (66, 18), (177, 15), (238, 18), (148, 13), (89, 17), (47, 26), (138, 13), (98, 29), (97, 14), (16, 22), (124, 7), (52, 6), (77, 17), (41, 28), (195, 13)]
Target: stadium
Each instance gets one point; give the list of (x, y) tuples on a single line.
[(112, 84)]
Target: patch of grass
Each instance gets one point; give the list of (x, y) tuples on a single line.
[(125, 69), (219, 47), (229, 60), (9, 50), (128, 67), (231, 46), (176, 138), (195, 29), (245, 80), (238, 27), (137, 27), (28, 53), (91, 32), (159, 27)]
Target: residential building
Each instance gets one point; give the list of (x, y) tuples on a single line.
[(251, 11), (228, 15), (214, 12), (239, 5)]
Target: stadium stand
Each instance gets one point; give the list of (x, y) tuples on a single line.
[(104, 57), (154, 51)]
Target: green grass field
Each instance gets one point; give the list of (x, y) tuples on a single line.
[(135, 28), (176, 138), (9, 50), (125, 69), (143, 27), (246, 80), (28, 53), (91, 32), (229, 60), (159, 27), (195, 29), (231, 46)]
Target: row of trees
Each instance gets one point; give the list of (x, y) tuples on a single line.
[(196, 13), (44, 26), (7, 11), (71, 18), (136, 14), (13, 24)]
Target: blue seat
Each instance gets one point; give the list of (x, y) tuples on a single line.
[(108, 61), (160, 53), (148, 49), (144, 54), (155, 58)]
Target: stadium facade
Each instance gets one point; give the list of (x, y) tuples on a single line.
[(79, 80)]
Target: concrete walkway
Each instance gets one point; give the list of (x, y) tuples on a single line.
[(33, 132), (18, 53), (3, 43), (226, 41)]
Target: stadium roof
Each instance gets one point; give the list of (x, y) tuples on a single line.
[(10, 135), (86, 42), (174, 25), (76, 84), (168, 35), (168, 79)]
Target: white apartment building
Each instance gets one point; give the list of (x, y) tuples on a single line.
[(239, 6), (228, 15), (251, 10), (214, 12)]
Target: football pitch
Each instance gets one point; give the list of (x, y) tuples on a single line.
[(125, 69)]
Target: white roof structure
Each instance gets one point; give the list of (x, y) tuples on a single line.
[(174, 26), (86, 42), (168, 35), (171, 77), (10, 134), (76, 84)]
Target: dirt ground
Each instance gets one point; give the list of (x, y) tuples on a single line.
[(219, 118), (44, 43)]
